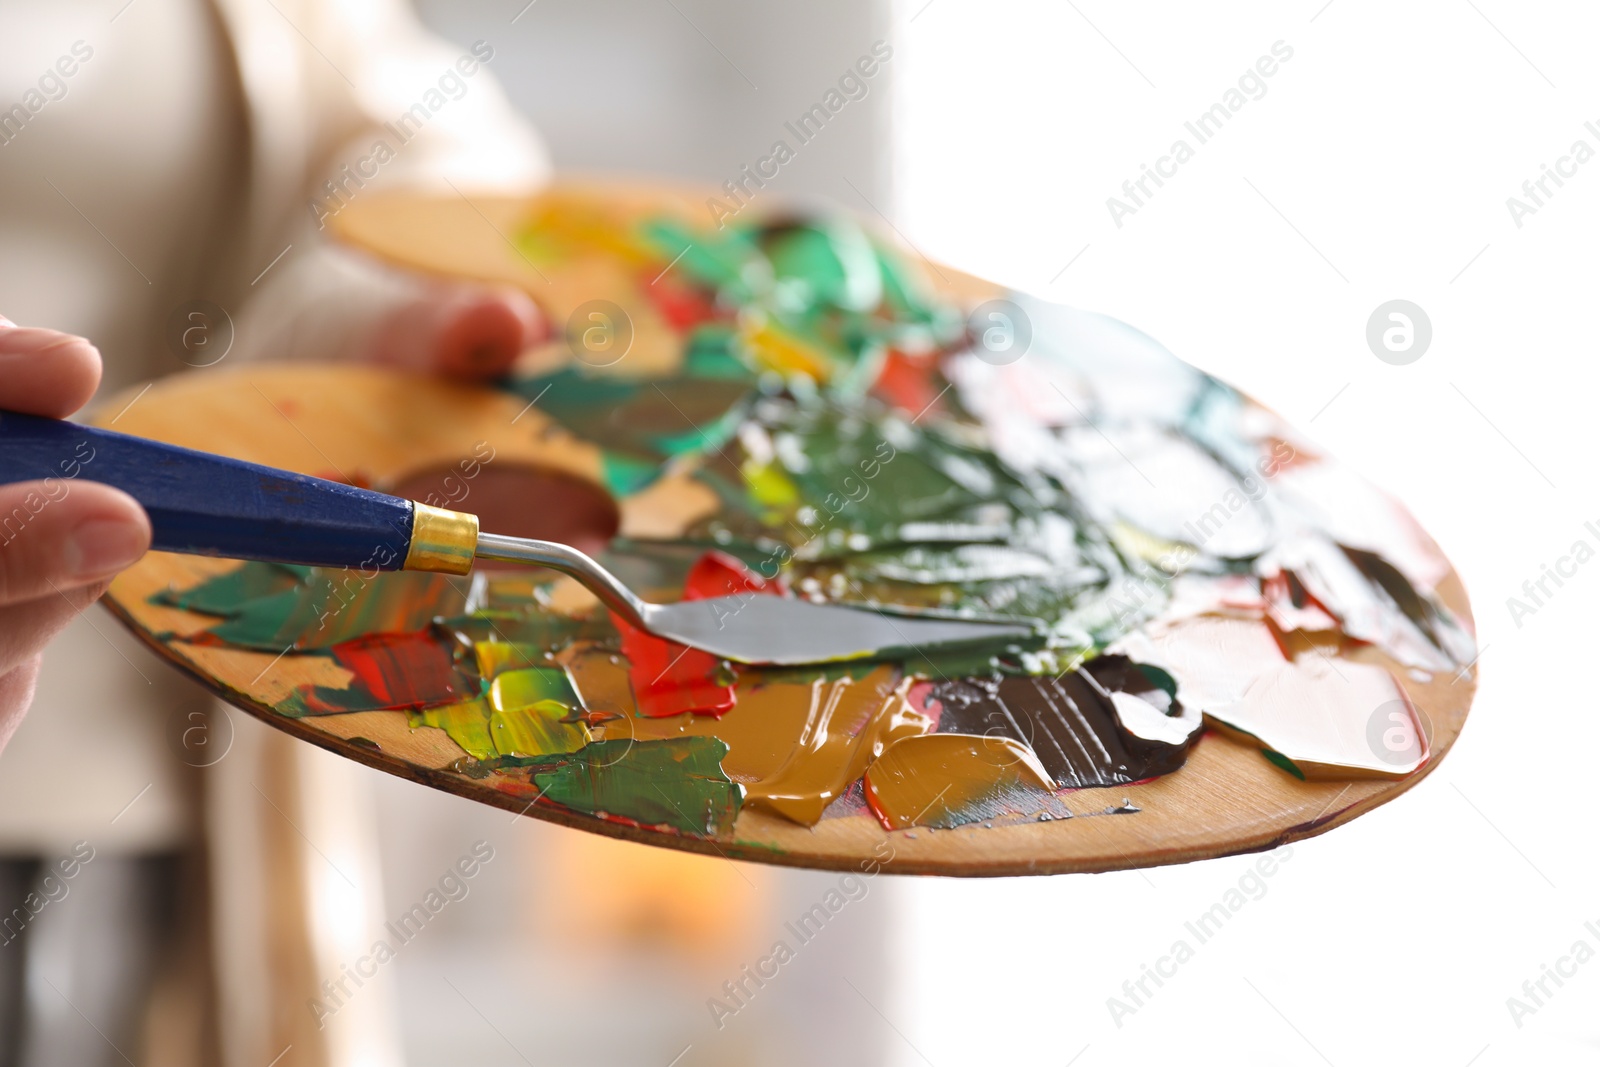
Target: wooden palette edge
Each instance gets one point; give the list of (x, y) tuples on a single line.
[(908, 849)]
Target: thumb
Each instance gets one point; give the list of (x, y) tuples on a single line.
[(465, 331), (59, 534)]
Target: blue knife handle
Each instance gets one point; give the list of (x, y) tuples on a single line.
[(207, 505)]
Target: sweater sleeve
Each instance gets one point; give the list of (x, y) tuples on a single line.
[(386, 105)]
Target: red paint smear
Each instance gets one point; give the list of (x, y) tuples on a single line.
[(907, 381), (719, 574), (672, 679), (1291, 608), (681, 305), (401, 671), (853, 801), (921, 697), (875, 806)]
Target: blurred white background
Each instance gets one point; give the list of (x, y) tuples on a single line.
[(1376, 166)]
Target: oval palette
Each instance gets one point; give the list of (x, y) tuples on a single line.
[(1239, 642)]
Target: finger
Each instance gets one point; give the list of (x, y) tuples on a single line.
[(471, 332), (483, 331), (26, 628), (16, 693), (45, 372), (59, 534)]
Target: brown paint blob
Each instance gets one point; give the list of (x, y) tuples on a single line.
[(519, 500), (1105, 723)]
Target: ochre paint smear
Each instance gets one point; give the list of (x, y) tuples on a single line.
[(847, 725), (947, 780), (677, 784), (600, 677), (796, 747)]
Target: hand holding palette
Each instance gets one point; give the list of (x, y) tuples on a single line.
[(1237, 642)]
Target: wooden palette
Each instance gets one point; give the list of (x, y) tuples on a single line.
[(383, 429)]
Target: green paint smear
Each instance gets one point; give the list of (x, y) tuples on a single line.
[(834, 263), (677, 783), (716, 260), (496, 657), (625, 475), (223, 594), (529, 627), (713, 352), (570, 391), (467, 724), (705, 437), (1160, 679), (269, 607), (526, 686), (536, 730), (539, 729), (531, 712), (299, 703), (272, 623), (1282, 762), (642, 424)]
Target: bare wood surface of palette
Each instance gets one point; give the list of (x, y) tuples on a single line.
[(379, 429)]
